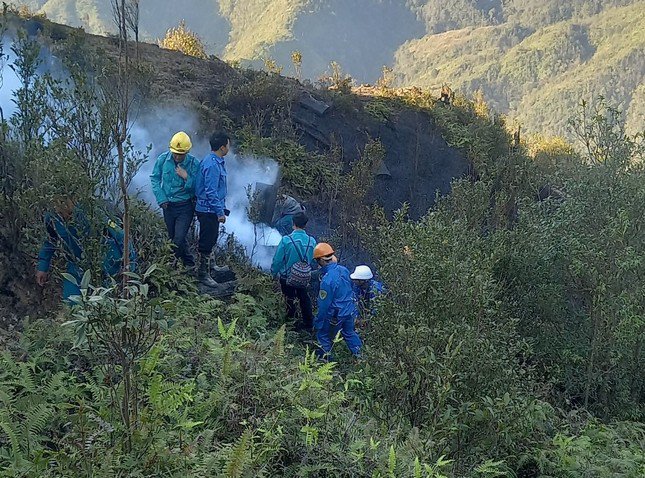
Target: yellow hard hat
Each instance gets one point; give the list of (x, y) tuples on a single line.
[(180, 143), (323, 250)]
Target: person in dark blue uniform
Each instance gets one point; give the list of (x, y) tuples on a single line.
[(66, 228), (366, 291), (337, 311)]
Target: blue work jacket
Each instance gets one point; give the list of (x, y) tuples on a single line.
[(336, 296), (211, 185), (366, 297), (167, 185), (66, 237), (288, 254)]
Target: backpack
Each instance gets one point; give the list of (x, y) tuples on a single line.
[(299, 274)]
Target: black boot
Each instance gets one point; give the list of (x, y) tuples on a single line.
[(202, 273)]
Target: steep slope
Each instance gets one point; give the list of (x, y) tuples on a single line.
[(361, 35)]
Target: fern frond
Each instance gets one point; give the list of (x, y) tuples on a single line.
[(12, 433), (37, 419), (278, 341), (27, 380), (240, 455), (55, 384)]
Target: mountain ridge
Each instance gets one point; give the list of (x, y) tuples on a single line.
[(532, 60)]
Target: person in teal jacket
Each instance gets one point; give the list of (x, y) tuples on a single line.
[(66, 229), (297, 246), (173, 184), (337, 311)]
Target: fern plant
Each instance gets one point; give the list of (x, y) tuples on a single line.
[(31, 414)]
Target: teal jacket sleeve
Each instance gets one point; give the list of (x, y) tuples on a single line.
[(155, 180), (278, 259), (193, 171), (310, 252), (48, 248)]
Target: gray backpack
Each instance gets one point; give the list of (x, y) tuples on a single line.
[(299, 274)]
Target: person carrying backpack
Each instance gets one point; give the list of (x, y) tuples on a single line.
[(292, 264)]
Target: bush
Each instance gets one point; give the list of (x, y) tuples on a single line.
[(180, 38)]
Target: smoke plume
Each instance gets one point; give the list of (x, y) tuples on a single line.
[(156, 129), (9, 82)]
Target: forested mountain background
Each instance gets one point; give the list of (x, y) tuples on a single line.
[(532, 59)]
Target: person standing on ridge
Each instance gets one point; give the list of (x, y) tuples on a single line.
[(173, 184), (211, 202), (337, 309), (296, 249)]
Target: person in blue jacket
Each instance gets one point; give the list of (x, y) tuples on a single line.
[(296, 247), (173, 184), (366, 291), (337, 309), (67, 228), (211, 202)]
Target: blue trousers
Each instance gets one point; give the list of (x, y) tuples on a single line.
[(178, 217), (329, 328)]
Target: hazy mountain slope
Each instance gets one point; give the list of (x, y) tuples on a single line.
[(532, 59), (537, 76), (361, 35), (258, 24)]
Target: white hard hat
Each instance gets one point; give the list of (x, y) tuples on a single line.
[(362, 273)]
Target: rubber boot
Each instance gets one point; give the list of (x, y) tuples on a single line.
[(202, 273)]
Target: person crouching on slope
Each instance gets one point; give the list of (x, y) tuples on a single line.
[(337, 309), (68, 228)]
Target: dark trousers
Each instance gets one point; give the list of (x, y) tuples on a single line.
[(208, 232), (291, 294), (178, 217)]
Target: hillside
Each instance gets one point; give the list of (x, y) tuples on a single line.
[(508, 341), (534, 60), (539, 76)]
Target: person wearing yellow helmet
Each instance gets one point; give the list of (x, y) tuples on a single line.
[(173, 184)]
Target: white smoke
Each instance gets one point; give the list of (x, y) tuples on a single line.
[(9, 82), (157, 128)]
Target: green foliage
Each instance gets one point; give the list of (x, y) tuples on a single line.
[(303, 173), (33, 404), (379, 109), (503, 315), (597, 450), (452, 355)]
